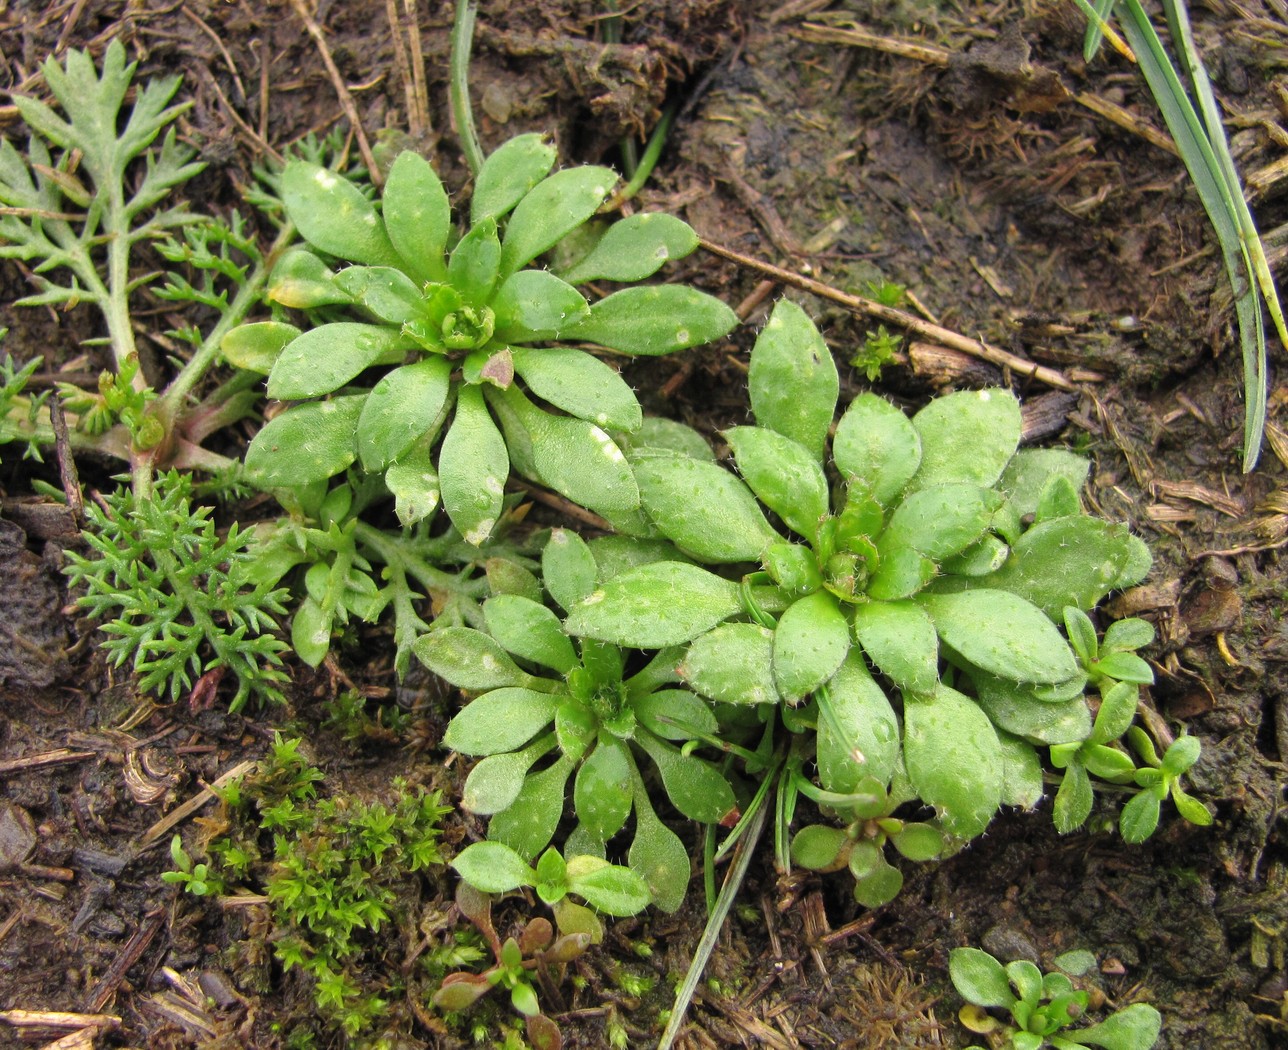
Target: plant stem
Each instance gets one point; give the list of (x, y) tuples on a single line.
[(459, 89)]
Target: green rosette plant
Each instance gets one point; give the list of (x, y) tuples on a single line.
[(588, 712), (441, 361), (918, 558)]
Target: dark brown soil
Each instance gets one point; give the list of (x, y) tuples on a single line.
[(1013, 214)]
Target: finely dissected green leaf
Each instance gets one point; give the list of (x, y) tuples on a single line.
[(861, 721), (530, 631), (402, 408), (255, 347), (635, 248), (1133, 1028), (675, 714), (793, 382), (652, 320), (877, 444), (1003, 634), (608, 887), (968, 436), (509, 173), (810, 641), (1012, 706), (323, 359), (703, 508), (302, 281), (660, 857), (602, 793), (734, 664), (1070, 561), (528, 824), (669, 435), (474, 267), (332, 214), (305, 444), (979, 978), (900, 639), (417, 214), (413, 482), (580, 384), (1029, 470), (694, 786), (551, 209), (942, 520), (501, 720), (472, 467), (655, 605), (1021, 772), (535, 304), (568, 568), (953, 759), (788, 480), (493, 868), (386, 293), (469, 659)]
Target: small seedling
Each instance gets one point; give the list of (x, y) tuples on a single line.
[(1040, 1008), (195, 878)]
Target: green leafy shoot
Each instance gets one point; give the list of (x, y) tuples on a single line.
[(1194, 119), (444, 357), (878, 350), (1157, 779), (195, 878), (175, 598), (1040, 1009)]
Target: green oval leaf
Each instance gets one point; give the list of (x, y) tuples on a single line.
[(793, 382), (469, 659), (810, 641), (734, 664), (492, 867), (332, 214), (1013, 707), (255, 347), (323, 359), (413, 482), (305, 444), (979, 978), (901, 640), (953, 759), (788, 480), (635, 248), (474, 267), (653, 606), (695, 787), (702, 508), (675, 714), (302, 281), (877, 445), (608, 887), (530, 631), (655, 319), (386, 293), (1133, 1028), (472, 467), (819, 848), (534, 304), (942, 520), (859, 738), (501, 720), (660, 857), (580, 384), (402, 407), (1003, 634), (967, 436), (602, 792), (1027, 474), (509, 172), (551, 209), (418, 217), (568, 568), (528, 824)]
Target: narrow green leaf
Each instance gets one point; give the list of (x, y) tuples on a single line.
[(473, 466), (635, 248), (793, 382), (953, 759), (417, 214), (651, 320), (551, 209), (500, 720), (530, 631), (493, 868), (788, 480), (508, 173), (655, 605), (581, 385), (323, 359)]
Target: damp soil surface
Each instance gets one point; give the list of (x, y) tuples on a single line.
[(974, 168)]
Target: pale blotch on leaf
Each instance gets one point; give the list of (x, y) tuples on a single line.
[(494, 485), (607, 446), (324, 178), (681, 335), (479, 533)]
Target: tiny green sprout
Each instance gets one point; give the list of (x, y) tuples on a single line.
[(878, 350), (444, 360), (196, 879), (1040, 1009), (589, 713), (493, 867), (887, 293), (1158, 779)]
